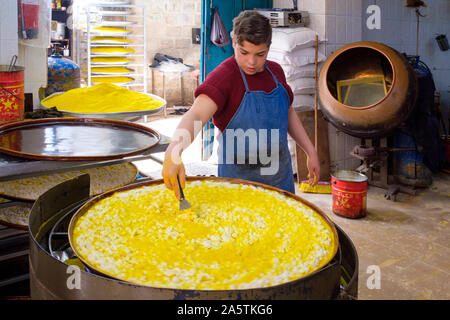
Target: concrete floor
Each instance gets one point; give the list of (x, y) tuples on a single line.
[(408, 241)]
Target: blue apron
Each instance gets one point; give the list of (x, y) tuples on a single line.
[(254, 144)]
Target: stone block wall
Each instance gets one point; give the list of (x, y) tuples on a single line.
[(169, 26)]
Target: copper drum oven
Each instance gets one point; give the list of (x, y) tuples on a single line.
[(367, 89), (50, 278)]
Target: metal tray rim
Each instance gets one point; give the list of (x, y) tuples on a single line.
[(23, 124)]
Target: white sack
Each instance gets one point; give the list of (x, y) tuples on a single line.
[(303, 102), (302, 86), (297, 58), (288, 39)]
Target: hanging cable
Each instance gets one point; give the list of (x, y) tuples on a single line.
[(418, 15)]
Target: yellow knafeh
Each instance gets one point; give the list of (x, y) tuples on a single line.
[(235, 236), (102, 98)]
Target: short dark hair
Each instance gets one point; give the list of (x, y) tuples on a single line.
[(253, 27)]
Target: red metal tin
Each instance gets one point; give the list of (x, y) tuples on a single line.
[(349, 193), (11, 94)]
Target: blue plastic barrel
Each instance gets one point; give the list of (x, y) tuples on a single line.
[(63, 75), (408, 166)]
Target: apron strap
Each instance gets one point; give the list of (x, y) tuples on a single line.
[(273, 76), (245, 80)]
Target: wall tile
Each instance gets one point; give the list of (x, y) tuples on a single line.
[(388, 28), (425, 32), (397, 9), (396, 31), (405, 32), (407, 13), (341, 29), (330, 7), (341, 7), (427, 49), (330, 24), (318, 24), (388, 12), (318, 6), (188, 6), (383, 4), (7, 25), (330, 49), (8, 31), (356, 29), (284, 4), (412, 33), (433, 12), (308, 5), (444, 10), (8, 48), (349, 29), (356, 8)]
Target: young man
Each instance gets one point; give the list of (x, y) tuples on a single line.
[(249, 100)]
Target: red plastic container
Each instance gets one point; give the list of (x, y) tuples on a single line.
[(11, 94), (349, 193)]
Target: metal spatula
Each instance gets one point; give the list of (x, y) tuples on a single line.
[(184, 204)]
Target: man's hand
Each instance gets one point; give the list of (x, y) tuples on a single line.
[(190, 125), (313, 165), (171, 169)]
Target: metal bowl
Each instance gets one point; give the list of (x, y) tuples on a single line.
[(369, 110), (49, 276)]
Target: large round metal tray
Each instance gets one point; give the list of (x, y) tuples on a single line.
[(73, 139), (15, 216), (111, 63), (110, 33), (112, 23), (130, 72), (91, 202), (102, 179), (114, 13), (114, 54), (114, 3), (120, 41), (112, 115)]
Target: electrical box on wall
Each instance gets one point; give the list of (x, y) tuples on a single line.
[(196, 36)]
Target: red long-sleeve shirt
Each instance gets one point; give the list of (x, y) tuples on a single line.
[(225, 86)]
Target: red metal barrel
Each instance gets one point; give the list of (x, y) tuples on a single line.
[(11, 93), (349, 193)]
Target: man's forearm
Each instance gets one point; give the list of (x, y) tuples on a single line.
[(191, 124)]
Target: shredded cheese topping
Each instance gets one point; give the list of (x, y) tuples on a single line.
[(235, 236)]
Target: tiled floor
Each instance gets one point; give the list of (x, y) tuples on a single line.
[(408, 240)]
